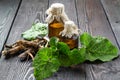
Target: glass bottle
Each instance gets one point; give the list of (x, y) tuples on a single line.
[(55, 28), (70, 34)]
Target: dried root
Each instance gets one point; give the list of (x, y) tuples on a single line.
[(25, 49)]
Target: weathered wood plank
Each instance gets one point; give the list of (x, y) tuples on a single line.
[(13, 69), (8, 9), (68, 74), (92, 19), (112, 9)]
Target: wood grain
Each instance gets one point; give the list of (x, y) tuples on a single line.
[(92, 19), (13, 69), (112, 9), (8, 10)]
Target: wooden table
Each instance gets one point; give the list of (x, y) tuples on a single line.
[(98, 17)]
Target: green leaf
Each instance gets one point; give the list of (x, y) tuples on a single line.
[(77, 56), (98, 48), (53, 41), (45, 64), (63, 56), (38, 29), (30, 34), (101, 49), (85, 39), (69, 57), (63, 48), (64, 60)]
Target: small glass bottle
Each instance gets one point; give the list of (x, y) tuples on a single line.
[(70, 34), (55, 19), (55, 28)]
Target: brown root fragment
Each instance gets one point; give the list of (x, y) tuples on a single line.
[(23, 56), (16, 49), (30, 52), (27, 49), (13, 50), (8, 46)]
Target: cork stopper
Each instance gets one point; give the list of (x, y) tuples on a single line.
[(56, 11), (70, 29)]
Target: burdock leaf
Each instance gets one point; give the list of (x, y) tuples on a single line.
[(98, 48), (45, 64)]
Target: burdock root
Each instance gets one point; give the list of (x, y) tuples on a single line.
[(24, 49)]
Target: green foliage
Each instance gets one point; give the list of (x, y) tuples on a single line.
[(63, 48), (98, 48), (45, 64), (77, 56), (69, 57), (48, 60), (64, 52), (38, 29), (85, 39), (53, 42)]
